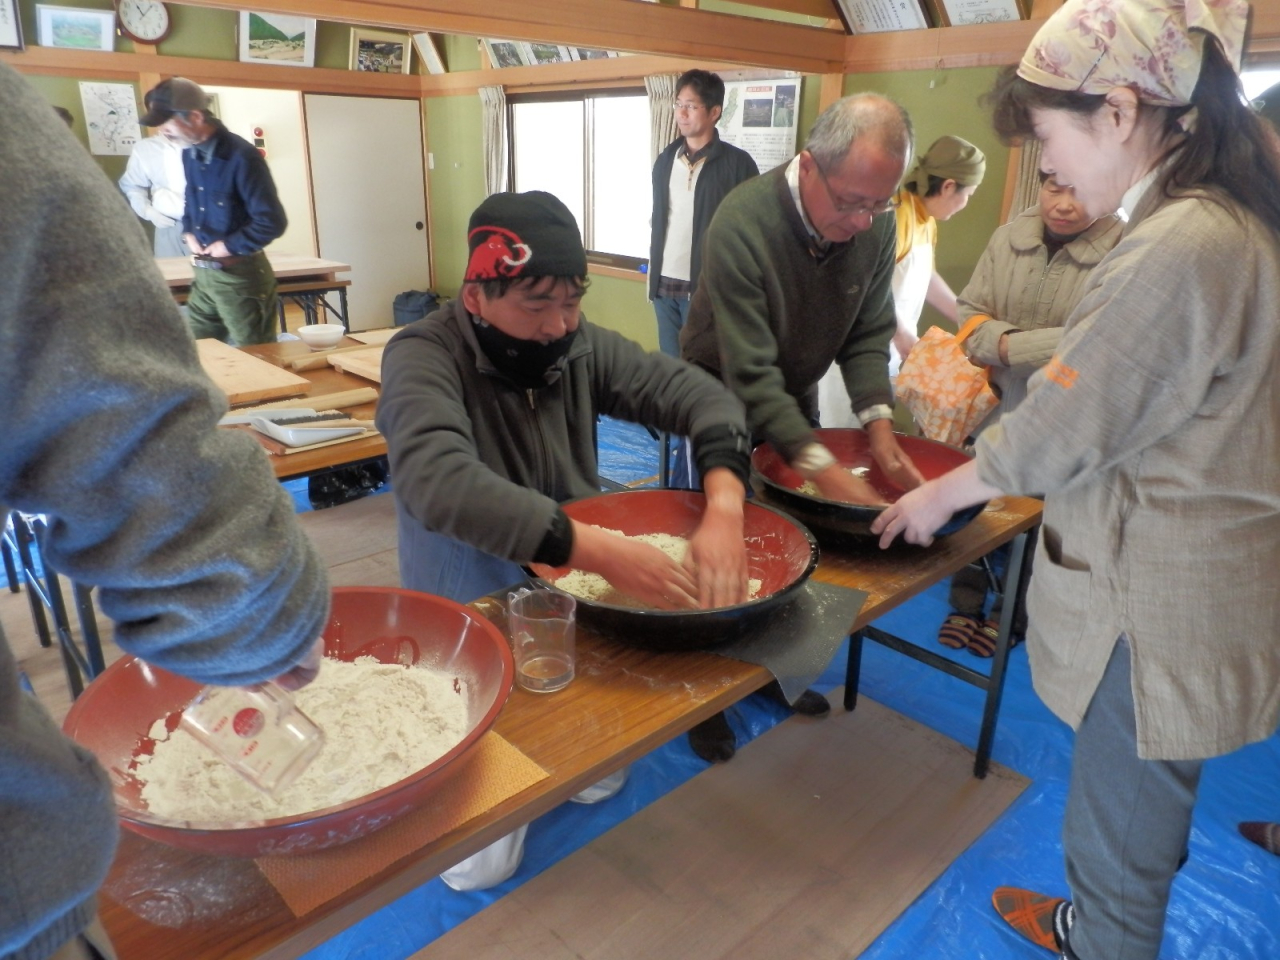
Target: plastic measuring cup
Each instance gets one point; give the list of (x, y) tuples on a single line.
[(259, 731), (541, 624)]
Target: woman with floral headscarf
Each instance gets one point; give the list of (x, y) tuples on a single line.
[(1154, 434)]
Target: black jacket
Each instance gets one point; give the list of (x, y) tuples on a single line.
[(726, 166)]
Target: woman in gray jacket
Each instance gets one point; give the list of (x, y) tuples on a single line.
[(1154, 433)]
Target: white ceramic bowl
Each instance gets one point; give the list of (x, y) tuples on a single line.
[(321, 336)]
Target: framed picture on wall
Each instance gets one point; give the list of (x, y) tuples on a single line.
[(959, 13), (429, 52), (379, 51), (537, 53), (878, 16), (505, 53), (587, 53), (277, 39), (10, 26), (74, 28)]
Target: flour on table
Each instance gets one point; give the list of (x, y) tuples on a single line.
[(592, 586), (382, 722)]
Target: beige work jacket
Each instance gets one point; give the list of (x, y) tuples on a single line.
[(1028, 295), (1155, 434)]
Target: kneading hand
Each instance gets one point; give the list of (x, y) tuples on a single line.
[(646, 573), (717, 559), (893, 461), (837, 483)]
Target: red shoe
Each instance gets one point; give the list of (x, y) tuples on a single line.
[(1266, 835), (1042, 920)]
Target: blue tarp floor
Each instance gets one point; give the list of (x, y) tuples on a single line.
[(1226, 900)]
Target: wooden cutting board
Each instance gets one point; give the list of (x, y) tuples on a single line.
[(244, 378), (373, 337), (363, 363)]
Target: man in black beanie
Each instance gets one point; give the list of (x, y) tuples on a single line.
[(489, 408)]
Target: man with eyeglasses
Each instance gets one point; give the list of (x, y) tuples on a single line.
[(690, 178), (796, 273)]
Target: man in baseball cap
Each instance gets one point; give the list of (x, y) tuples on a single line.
[(175, 95), (231, 212)]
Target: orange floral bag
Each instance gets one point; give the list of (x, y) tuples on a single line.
[(947, 394)]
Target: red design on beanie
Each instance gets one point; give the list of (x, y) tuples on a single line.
[(496, 253)]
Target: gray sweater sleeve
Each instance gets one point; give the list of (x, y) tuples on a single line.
[(111, 433)]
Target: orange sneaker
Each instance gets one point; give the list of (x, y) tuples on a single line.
[(1041, 919)]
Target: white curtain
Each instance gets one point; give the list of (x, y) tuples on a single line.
[(1026, 188), (493, 102), (662, 118)]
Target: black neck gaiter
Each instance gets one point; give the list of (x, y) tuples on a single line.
[(526, 362)]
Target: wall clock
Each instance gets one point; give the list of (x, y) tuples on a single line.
[(143, 21)]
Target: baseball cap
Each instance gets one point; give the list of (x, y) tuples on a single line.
[(175, 95)]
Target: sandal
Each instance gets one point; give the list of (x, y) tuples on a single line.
[(982, 642), (957, 630)]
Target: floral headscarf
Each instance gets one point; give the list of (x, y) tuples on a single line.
[(1155, 45)]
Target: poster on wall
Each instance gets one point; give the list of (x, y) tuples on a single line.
[(111, 116), (759, 117)]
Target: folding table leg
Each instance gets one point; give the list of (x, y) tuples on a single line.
[(1021, 549), (853, 670)]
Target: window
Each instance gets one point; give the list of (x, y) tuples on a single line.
[(591, 150)]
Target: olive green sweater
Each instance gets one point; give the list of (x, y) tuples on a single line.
[(772, 312)]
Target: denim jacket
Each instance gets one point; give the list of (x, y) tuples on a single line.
[(230, 195)]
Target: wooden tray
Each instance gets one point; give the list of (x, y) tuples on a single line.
[(245, 378)]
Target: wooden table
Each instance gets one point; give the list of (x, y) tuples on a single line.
[(623, 703), (304, 279), (324, 380)]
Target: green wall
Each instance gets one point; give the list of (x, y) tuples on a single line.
[(455, 183), (65, 92)]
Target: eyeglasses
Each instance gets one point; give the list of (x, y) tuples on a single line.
[(686, 106), (854, 209)]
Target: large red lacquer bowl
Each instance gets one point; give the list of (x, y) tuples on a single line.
[(781, 553), (114, 714), (776, 483)]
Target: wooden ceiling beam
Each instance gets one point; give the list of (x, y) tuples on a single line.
[(578, 73), (623, 25), (825, 9), (228, 73), (984, 45)]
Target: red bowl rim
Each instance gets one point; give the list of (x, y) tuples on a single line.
[(672, 614), (149, 824)]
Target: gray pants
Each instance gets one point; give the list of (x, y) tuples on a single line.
[(1126, 827), (168, 242)]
